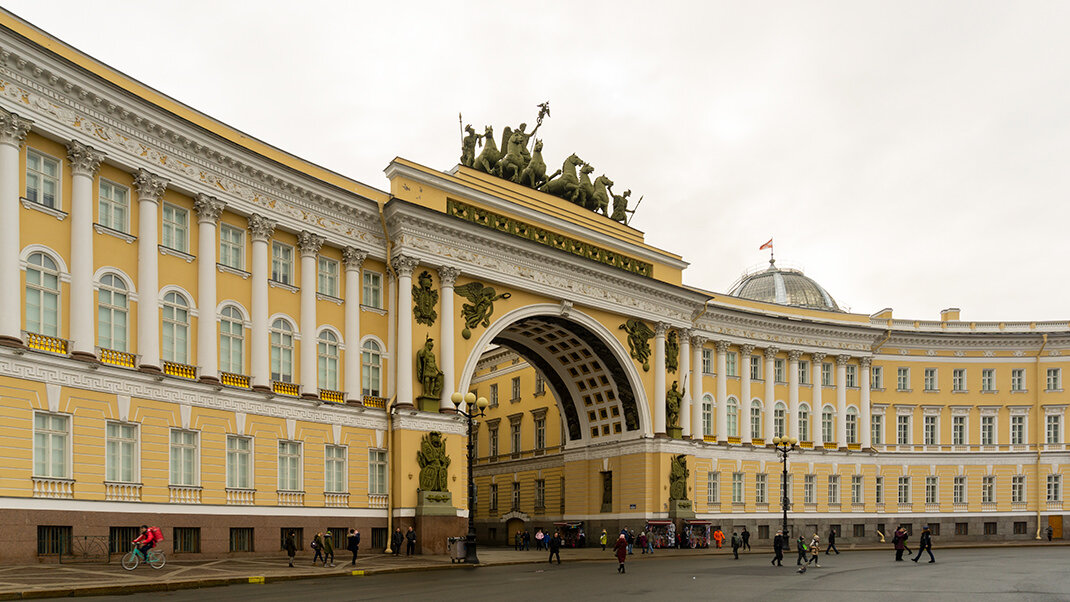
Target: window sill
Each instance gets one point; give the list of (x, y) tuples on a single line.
[(374, 310), (128, 238), (56, 213), (1013, 391), (1053, 390), (954, 391), (329, 298), (276, 284), (904, 390), (983, 391), (931, 391), (176, 253), (232, 270)]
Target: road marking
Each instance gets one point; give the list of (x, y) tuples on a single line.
[(256, 579), (357, 573)]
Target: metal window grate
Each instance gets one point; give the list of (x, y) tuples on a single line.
[(119, 539), (241, 539), (187, 540), (339, 535), (379, 538), (53, 540), (299, 537)]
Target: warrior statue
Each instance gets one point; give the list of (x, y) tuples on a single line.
[(427, 371), (468, 146), (434, 463), (672, 404), (678, 474)]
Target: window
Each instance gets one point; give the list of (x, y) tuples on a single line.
[(763, 531), (54, 540), (120, 458), (713, 487), (113, 209), (857, 497), (834, 489), (493, 497), (851, 375), (859, 530), (904, 491), (516, 496), (282, 262), (241, 539), (932, 487), (298, 533), (493, 395), (231, 340), (1055, 379), (902, 429), (184, 539), (1018, 379), (335, 469), (50, 448), (877, 421), (1055, 488), (540, 494), (988, 490), (826, 374), (828, 425), (755, 420), (514, 437), (778, 370), (733, 417), (239, 462), (878, 489), (232, 246), (988, 379), (174, 344), (959, 490), (42, 179), (962, 528), (958, 430), (851, 421), (902, 379), (282, 351), (804, 372), (988, 430), (1054, 428), (707, 416), (737, 488), (493, 435), (707, 361), (175, 228), (42, 295), (990, 528), (1017, 429), (732, 363), (327, 276), (779, 420), (289, 466), (373, 290), (540, 385), (327, 360), (958, 379), (876, 377), (183, 458), (809, 488), (1020, 527), (755, 367), (371, 363), (516, 389), (377, 472), (111, 313), (929, 430), (1018, 489), (804, 423), (930, 379), (761, 488), (540, 433)]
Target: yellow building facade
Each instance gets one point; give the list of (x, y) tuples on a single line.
[(204, 332)]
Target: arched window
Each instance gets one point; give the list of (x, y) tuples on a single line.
[(327, 360), (828, 425), (231, 340), (707, 415), (804, 423), (779, 420), (42, 295), (852, 425), (111, 313), (755, 420), (733, 417), (371, 364), (282, 351), (174, 344)]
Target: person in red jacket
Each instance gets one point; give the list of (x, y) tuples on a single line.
[(146, 541), (621, 549)]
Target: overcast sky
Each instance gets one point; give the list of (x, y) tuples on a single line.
[(913, 155)]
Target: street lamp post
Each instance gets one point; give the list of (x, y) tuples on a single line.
[(476, 407), (784, 446)]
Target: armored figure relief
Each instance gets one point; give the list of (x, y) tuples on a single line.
[(480, 305), (639, 335), (427, 371), (424, 299), (678, 474), (672, 351), (672, 404), (434, 463), (620, 206)]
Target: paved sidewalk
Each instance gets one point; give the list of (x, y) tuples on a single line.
[(53, 580)]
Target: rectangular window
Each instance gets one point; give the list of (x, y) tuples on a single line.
[(1055, 488), (232, 246), (763, 531), (516, 497), (707, 418), (493, 497), (239, 462), (113, 207), (540, 385), (514, 437), (42, 179), (1018, 489), (856, 490), (959, 490), (737, 488), (120, 452), (958, 379), (878, 489), (540, 494), (1020, 527), (930, 430), (962, 528), (1053, 428), (809, 489), (54, 540), (289, 466), (372, 296), (876, 377), (760, 488), (859, 530), (988, 430), (804, 372), (990, 528), (175, 228), (778, 371), (377, 472), (119, 539), (755, 367), (902, 379), (988, 379), (707, 361), (241, 539), (299, 537), (516, 389), (540, 433), (988, 490), (1018, 379), (878, 429), (904, 491), (851, 375), (282, 263), (494, 395), (1017, 429), (327, 276), (1055, 379), (184, 458), (834, 489), (335, 469), (185, 540), (732, 363), (958, 430), (930, 379), (932, 486), (902, 429), (713, 487), (826, 374), (493, 435)]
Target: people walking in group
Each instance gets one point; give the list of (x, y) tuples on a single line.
[(925, 544), (832, 543), (815, 551), (395, 541), (410, 542), (899, 540), (328, 549), (555, 548), (778, 549), (745, 536), (353, 544), (291, 546), (800, 547), (317, 545), (620, 549), (736, 542), (604, 539), (718, 536)]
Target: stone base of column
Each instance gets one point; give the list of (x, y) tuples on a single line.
[(355, 402), (150, 369), (661, 435), (210, 380), (404, 405), (13, 342), (447, 410), (84, 356), (261, 389), (310, 396)]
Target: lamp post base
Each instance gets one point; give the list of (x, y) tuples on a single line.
[(470, 556)]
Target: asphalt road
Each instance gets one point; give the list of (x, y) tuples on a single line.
[(1019, 574)]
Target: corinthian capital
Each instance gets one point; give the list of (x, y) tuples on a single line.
[(149, 186), (447, 275), (208, 208), (353, 257), (841, 360), (84, 159), (722, 346), (794, 355), (770, 352), (309, 243), (661, 328), (866, 362), (13, 129), (261, 227), (817, 357), (745, 350), (404, 265)]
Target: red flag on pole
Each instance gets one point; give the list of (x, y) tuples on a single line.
[(768, 245)]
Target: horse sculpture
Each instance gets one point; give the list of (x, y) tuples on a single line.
[(600, 199), (585, 191), (564, 186), (512, 163), (534, 175), (487, 159)]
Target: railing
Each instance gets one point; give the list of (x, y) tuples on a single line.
[(757, 441), (122, 492), (827, 445), (959, 507), (41, 342), (906, 507), (336, 500), (734, 440), (854, 446), (371, 401), (1056, 505), (180, 370), (1017, 505), (45, 487), (234, 380), (288, 389), (332, 396), (932, 507), (376, 500), (88, 549), (241, 497), (185, 494), (988, 506), (806, 444), (710, 438), (291, 498), (117, 358)]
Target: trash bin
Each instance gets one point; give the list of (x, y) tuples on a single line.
[(456, 548)]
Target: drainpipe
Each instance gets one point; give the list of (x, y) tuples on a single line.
[(389, 472), (887, 335), (1039, 429)]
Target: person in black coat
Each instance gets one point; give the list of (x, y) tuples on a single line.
[(395, 541), (745, 535), (832, 543), (353, 544), (925, 545), (800, 547), (410, 542), (555, 548), (778, 549), (291, 546)]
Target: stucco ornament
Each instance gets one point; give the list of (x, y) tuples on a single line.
[(427, 371), (434, 463), (480, 305), (639, 335), (424, 299), (672, 351), (672, 404), (678, 474)]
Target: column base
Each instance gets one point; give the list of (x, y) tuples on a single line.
[(210, 380), (310, 396), (84, 356), (261, 389), (150, 369), (404, 405), (13, 342), (661, 436), (442, 410)]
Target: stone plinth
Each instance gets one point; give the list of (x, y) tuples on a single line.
[(681, 509), (436, 520)]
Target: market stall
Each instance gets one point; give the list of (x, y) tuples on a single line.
[(662, 533), (697, 533), (572, 534)]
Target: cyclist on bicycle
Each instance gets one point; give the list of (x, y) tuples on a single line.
[(146, 541)]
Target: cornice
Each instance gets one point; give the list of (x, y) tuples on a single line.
[(738, 326)]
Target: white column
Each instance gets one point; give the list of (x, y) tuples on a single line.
[(659, 379), (13, 130), (684, 364), (260, 230), (722, 392), (84, 163), (866, 425), (354, 261), (841, 400), (697, 393), (208, 211), (793, 393), (770, 392), (744, 393), (404, 266), (150, 188), (309, 245), (447, 277), (816, 360)]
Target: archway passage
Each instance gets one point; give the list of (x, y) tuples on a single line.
[(595, 394)]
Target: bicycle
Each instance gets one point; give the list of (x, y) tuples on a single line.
[(134, 557)]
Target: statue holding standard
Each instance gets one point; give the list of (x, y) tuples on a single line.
[(429, 375)]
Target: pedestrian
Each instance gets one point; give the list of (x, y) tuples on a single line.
[(328, 549), (642, 542), (925, 544), (718, 536), (353, 544), (800, 547), (832, 542), (628, 538), (736, 542), (604, 539), (621, 550), (410, 542), (291, 546), (815, 550), (1049, 531), (539, 537), (317, 545), (395, 541), (631, 540), (899, 541), (527, 540), (516, 541), (650, 542), (555, 548), (581, 540), (745, 536), (778, 549)]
